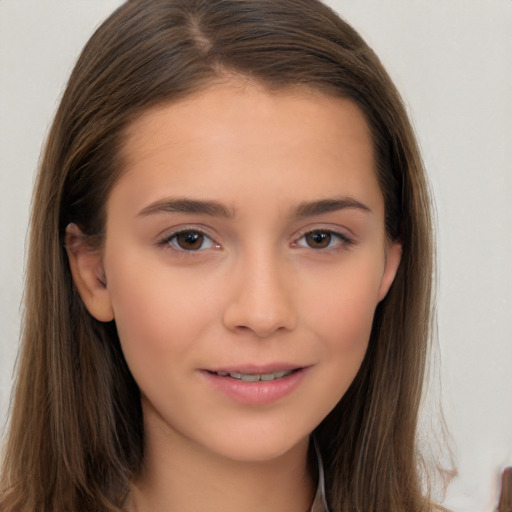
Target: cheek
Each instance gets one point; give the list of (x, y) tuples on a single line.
[(155, 313), (343, 320), (346, 339), (346, 306), (349, 318)]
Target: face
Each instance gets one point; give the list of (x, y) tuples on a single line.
[(245, 255)]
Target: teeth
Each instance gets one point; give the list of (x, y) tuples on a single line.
[(250, 378), (255, 377), (272, 376)]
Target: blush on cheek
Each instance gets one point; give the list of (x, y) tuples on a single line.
[(348, 318)]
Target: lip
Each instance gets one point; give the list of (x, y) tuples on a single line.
[(259, 392)]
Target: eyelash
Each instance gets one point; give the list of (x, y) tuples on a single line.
[(336, 241)]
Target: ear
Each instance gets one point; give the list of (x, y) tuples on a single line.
[(87, 271), (393, 256)]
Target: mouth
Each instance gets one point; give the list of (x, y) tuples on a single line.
[(255, 377), (256, 385)]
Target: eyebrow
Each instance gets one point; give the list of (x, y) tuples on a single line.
[(313, 208), (184, 205), (216, 209)]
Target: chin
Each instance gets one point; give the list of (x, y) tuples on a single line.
[(258, 447)]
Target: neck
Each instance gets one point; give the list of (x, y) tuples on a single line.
[(181, 477)]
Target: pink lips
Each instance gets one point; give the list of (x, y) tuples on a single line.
[(255, 385)]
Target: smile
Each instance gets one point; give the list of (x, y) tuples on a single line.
[(255, 377), (256, 386)]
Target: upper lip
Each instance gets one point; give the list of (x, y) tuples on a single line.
[(252, 369)]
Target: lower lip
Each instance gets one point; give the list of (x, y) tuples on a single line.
[(256, 393)]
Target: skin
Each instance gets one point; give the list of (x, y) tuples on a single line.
[(257, 289)]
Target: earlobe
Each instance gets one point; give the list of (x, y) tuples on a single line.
[(88, 275), (393, 256)]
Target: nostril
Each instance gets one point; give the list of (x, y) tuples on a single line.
[(260, 329)]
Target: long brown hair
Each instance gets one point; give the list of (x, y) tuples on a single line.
[(76, 436)]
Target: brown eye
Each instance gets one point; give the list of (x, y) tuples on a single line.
[(318, 239), (189, 240)]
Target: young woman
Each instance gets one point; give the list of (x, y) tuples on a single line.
[(228, 300)]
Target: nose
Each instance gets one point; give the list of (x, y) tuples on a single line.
[(261, 301)]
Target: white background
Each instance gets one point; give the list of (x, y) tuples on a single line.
[(452, 61)]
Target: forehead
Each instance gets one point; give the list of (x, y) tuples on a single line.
[(241, 135), (240, 107)]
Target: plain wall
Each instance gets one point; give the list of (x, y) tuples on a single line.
[(451, 59)]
